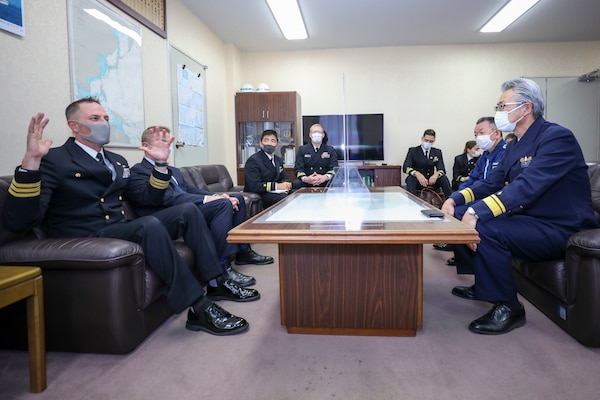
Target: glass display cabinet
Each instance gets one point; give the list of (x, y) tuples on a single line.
[(258, 111)]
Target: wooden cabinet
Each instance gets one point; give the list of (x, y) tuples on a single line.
[(267, 106), (382, 175), (256, 112)]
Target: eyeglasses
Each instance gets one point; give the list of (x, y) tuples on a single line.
[(500, 106)]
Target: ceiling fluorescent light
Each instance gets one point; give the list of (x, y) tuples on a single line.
[(507, 15), (288, 17)]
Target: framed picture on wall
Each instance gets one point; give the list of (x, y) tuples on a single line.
[(11, 16)]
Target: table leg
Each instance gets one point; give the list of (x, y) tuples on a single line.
[(36, 338)]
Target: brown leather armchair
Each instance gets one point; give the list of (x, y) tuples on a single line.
[(568, 291), (215, 178)]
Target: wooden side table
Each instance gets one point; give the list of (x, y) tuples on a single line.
[(18, 283)]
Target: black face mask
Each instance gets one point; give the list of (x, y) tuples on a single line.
[(269, 149)]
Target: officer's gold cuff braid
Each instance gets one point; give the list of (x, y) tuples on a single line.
[(495, 205), (158, 183), (23, 190), (468, 195)]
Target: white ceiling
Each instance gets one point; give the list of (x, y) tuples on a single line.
[(249, 25)]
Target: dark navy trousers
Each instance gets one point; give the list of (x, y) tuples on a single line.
[(503, 238)]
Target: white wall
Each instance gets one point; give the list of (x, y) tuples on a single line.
[(445, 88)]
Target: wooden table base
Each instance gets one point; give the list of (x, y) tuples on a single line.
[(351, 289)]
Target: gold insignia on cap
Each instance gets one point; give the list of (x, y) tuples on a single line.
[(78, 175)]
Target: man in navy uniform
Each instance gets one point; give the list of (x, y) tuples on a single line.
[(424, 166), (221, 211), (77, 189), (489, 139), (315, 162), (264, 173), (527, 207)]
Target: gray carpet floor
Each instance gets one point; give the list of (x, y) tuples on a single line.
[(444, 360)]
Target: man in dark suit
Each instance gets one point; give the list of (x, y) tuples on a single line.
[(222, 212), (78, 189), (424, 166), (315, 162), (264, 173)]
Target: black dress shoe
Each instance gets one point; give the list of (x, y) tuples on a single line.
[(451, 261), (239, 278), (500, 319), (443, 247), (465, 292), (215, 320), (249, 256), (229, 290)]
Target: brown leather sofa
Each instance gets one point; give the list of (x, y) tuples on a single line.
[(568, 291), (215, 178), (99, 296)]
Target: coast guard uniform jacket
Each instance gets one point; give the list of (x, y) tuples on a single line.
[(542, 175), (485, 164), (529, 205)]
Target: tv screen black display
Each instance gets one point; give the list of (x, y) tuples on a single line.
[(365, 134)]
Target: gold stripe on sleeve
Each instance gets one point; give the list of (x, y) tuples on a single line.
[(23, 190), (495, 205), (158, 183), (468, 195)]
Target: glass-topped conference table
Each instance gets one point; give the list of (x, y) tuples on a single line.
[(351, 263)]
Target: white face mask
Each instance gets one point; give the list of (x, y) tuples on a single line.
[(478, 153), (503, 123), (426, 145), (99, 133), (317, 137), (484, 142)]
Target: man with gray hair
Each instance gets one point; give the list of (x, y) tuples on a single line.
[(529, 205)]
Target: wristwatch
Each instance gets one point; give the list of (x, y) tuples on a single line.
[(472, 212)]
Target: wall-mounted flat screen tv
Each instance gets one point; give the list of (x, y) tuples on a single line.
[(365, 134)]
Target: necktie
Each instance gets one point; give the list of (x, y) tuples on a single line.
[(175, 184), (273, 162), (100, 159), (427, 154)]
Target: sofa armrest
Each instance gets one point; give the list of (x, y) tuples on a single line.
[(583, 274), (75, 253), (585, 243)]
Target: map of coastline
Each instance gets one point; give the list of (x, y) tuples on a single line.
[(107, 64)]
